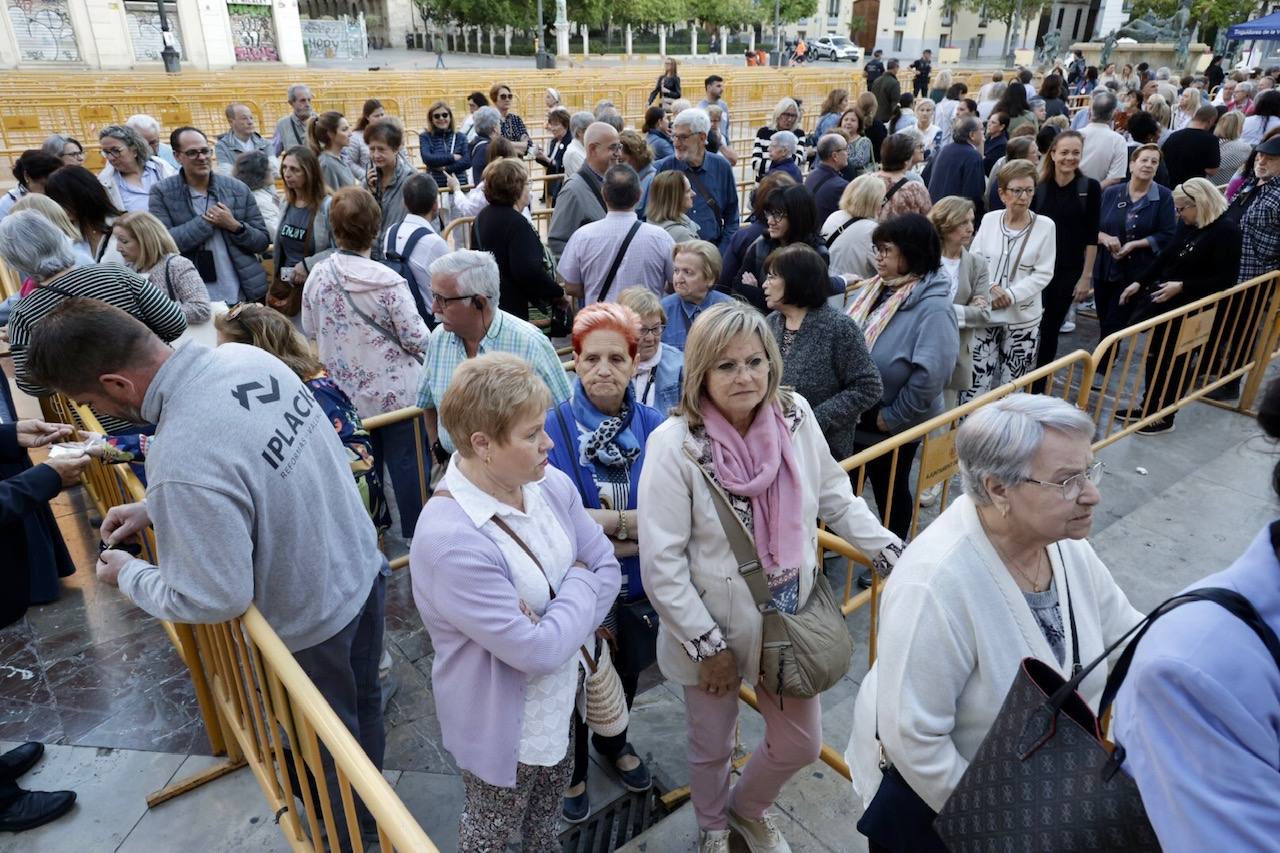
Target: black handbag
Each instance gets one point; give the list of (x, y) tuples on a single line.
[(1044, 778), (637, 635)]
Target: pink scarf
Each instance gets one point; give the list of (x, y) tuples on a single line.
[(761, 466)]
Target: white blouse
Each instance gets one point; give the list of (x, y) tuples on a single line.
[(548, 699)]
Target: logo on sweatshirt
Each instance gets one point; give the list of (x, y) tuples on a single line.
[(241, 393)]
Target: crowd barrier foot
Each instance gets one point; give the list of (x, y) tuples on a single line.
[(177, 789)]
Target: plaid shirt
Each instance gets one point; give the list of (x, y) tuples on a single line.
[(1260, 230), (445, 351)]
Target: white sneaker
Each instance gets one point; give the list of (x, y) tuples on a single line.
[(713, 841), (929, 496), (762, 836), (1068, 326)]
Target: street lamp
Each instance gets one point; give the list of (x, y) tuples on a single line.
[(170, 56)]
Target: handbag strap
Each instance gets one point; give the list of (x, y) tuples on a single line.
[(378, 327), (1071, 614), (744, 549), (835, 235), (168, 282), (617, 262), (701, 189)]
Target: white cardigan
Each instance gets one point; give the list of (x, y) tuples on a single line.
[(1035, 268), (954, 628), (688, 567)]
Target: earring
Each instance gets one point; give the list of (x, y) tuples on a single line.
[(488, 459), (1004, 511)]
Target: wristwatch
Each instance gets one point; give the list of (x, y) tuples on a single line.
[(622, 525)]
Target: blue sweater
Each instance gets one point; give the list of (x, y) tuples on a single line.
[(563, 429), (957, 170)]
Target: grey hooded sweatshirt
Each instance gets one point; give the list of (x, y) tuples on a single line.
[(916, 354), (266, 515)]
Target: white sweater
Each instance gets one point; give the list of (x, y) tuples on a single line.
[(1035, 266), (954, 628)]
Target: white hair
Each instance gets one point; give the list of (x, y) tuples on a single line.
[(1000, 439), (476, 273), (579, 122), (486, 120), (296, 88), (142, 121), (785, 139), (695, 119), (34, 246)]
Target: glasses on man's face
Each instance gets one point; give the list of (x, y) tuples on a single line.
[(197, 153), (443, 301), (440, 115), (652, 331), (1073, 486), (112, 153), (616, 147), (682, 137)]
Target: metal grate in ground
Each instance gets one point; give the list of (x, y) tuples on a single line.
[(616, 824)]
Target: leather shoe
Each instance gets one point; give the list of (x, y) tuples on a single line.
[(577, 809), (19, 760), (35, 808)]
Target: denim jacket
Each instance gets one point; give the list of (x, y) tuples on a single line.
[(1151, 217)]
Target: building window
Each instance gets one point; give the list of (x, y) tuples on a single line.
[(897, 40), (833, 8), (1075, 29), (1061, 13), (903, 7), (982, 16), (982, 40)]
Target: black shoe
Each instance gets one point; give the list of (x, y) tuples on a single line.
[(1129, 415), (1164, 426), (637, 779), (19, 760), (1225, 393), (576, 809), (35, 808), (864, 579)]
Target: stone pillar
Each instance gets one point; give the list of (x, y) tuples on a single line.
[(102, 32), (289, 33), (562, 31), (1110, 17), (724, 41), (662, 39), (9, 55), (627, 36), (506, 40), (751, 39), (693, 38), (206, 34)]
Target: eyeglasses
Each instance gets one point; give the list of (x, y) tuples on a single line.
[(111, 153), (615, 147), (1073, 486), (1179, 210), (75, 155), (652, 331), (505, 96), (682, 137), (197, 153), (789, 115), (445, 300), (237, 310), (882, 249), (756, 365), (775, 215), (1020, 191), (441, 115)]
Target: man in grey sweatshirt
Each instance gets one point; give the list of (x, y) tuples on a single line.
[(267, 513)]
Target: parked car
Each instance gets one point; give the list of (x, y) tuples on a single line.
[(836, 48)]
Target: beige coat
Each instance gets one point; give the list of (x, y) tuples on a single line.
[(974, 282), (688, 567)]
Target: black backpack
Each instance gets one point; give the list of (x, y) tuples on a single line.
[(398, 262)]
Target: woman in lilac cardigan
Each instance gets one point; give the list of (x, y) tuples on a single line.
[(511, 576)]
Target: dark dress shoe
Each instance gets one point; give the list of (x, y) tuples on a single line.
[(636, 779), (19, 760), (864, 579), (576, 809), (35, 808)]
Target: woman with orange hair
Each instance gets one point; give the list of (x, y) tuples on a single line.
[(599, 436)]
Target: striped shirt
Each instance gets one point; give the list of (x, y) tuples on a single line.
[(110, 283), (507, 333)]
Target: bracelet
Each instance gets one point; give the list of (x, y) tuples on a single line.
[(622, 525)]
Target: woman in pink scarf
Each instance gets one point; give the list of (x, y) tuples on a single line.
[(738, 433)]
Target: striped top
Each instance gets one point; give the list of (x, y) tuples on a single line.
[(111, 283)]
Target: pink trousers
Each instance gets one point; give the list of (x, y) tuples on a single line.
[(792, 740)]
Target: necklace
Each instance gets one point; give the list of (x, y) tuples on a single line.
[(1035, 587)]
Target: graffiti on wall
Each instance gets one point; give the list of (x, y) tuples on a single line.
[(145, 31), (44, 31), (341, 39), (253, 33)]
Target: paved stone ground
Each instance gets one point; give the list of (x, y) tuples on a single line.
[(95, 677)]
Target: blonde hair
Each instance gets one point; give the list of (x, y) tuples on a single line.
[(269, 330), (705, 252), (949, 213), (666, 196), (1229, 126), (1209, 201), (1060, 122), (489, 394), (1190, 100), (1158, 108), (708, 338), (153, 239), (643, 301), (50, 210), (863, 197)]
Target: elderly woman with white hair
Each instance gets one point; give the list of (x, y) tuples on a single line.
[(783, 146), (1004, 573), (38, 249), (131, 170), (786, 116), (487, 125), (741, 457)]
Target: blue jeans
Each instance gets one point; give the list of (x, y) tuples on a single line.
[(396, 447)]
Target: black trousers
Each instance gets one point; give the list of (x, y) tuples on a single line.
[(344, 669), (1112, 316), (920, 87), (1162, 370), (895, 493), (1055, 299)]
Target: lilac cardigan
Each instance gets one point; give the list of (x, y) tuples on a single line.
[(485, 648)]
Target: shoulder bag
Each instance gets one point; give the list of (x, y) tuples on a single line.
[(802, 654), (604, 705), (1044, 770), (617, 262)]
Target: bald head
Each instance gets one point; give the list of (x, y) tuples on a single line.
[(603, 148)]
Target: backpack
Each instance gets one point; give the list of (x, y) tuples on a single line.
[(398, 262)]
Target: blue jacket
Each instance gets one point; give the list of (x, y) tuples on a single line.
[(660, 143), (668, 376), (563, 429), (957, 170), (1199, 717), (1155, 220), (717, 220), (437, 150)]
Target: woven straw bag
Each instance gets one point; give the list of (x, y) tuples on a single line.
[(602, 703)]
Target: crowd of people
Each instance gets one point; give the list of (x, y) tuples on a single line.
[(913, 251)]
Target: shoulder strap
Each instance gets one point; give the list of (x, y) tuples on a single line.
[(1026, 238), (593, 184), (831, 241), (744, 549), (1071, 613), (893, 189), (617, 262), (378, 327), (168, 282), (701, 189)]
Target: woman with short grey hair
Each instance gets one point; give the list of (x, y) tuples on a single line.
[(38, 249), (131, 170), (486, 122), (1003, 574)]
